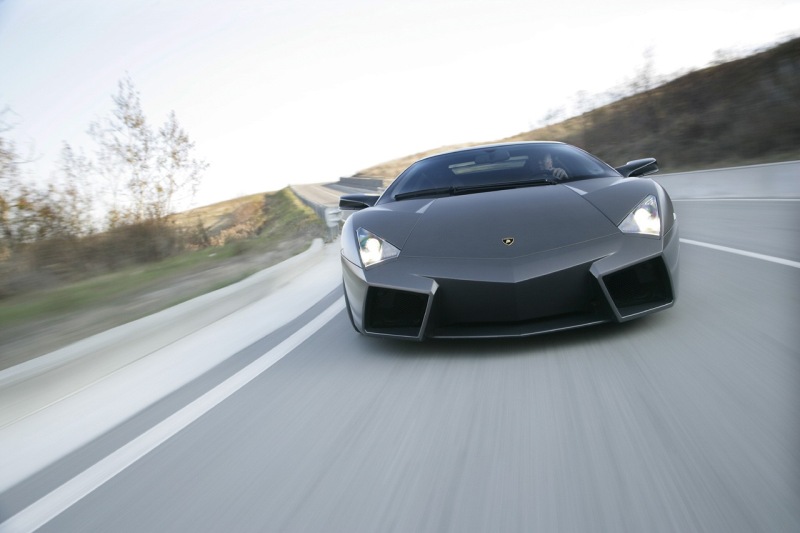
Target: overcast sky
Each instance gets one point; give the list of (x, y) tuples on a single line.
[(276, 92)]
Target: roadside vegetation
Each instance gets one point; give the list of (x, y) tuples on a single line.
[(243, 232), (739, 112), (121, 208), (108, 240), (221, 244), (98, 214)]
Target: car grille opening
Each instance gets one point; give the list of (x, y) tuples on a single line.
[(639, 288), (564, 299), (394, 312)]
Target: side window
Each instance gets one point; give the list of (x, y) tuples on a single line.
[(577, 164)]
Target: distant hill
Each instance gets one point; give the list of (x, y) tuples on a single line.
[(745, 111)]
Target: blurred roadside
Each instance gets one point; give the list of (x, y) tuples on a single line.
[(45, 312)]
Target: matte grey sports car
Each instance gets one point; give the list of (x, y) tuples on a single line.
[(509, 240)]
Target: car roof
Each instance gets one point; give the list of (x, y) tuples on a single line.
[(489, 145)]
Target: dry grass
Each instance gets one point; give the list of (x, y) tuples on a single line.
[(738, 113)]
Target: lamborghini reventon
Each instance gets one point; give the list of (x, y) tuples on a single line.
[(509, 240)]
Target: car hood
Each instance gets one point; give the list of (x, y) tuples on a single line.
[(483, 225)]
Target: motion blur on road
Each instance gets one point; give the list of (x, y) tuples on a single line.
[(277, 416)]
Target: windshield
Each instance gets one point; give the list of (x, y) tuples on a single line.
[(490, 168)]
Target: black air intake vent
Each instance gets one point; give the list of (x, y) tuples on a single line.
[(393, 312), (639, 288)]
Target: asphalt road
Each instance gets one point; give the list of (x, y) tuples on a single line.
[(687, 420)]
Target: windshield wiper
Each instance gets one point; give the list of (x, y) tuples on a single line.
[(504, 185), (424, 192)]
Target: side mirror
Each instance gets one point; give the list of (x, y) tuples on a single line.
[(639, 168), (356, 202)]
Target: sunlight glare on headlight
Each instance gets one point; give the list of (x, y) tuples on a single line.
[(373, 249), (644, 219)]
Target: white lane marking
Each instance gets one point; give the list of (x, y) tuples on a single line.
[(736, 199), (745, 253), (62, 498)]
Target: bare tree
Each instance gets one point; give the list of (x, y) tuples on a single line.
[(146, 171), (7, 174), (9, 187), (30, 213), (551, 116), (73, 195), (644, 84), (179, 174), (124, 155), (584, 103)]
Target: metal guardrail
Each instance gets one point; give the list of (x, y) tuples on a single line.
[(330, 215), (362, 183), (318, 208)]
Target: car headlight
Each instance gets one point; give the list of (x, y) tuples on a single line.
[(645, 218), (373, 249)]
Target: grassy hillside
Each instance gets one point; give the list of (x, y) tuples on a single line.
[(742, 112), (252, 221), (244, 235)]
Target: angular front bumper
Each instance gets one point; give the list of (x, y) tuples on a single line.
[(614, 278)]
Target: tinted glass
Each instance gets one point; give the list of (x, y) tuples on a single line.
[(496, 165)]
